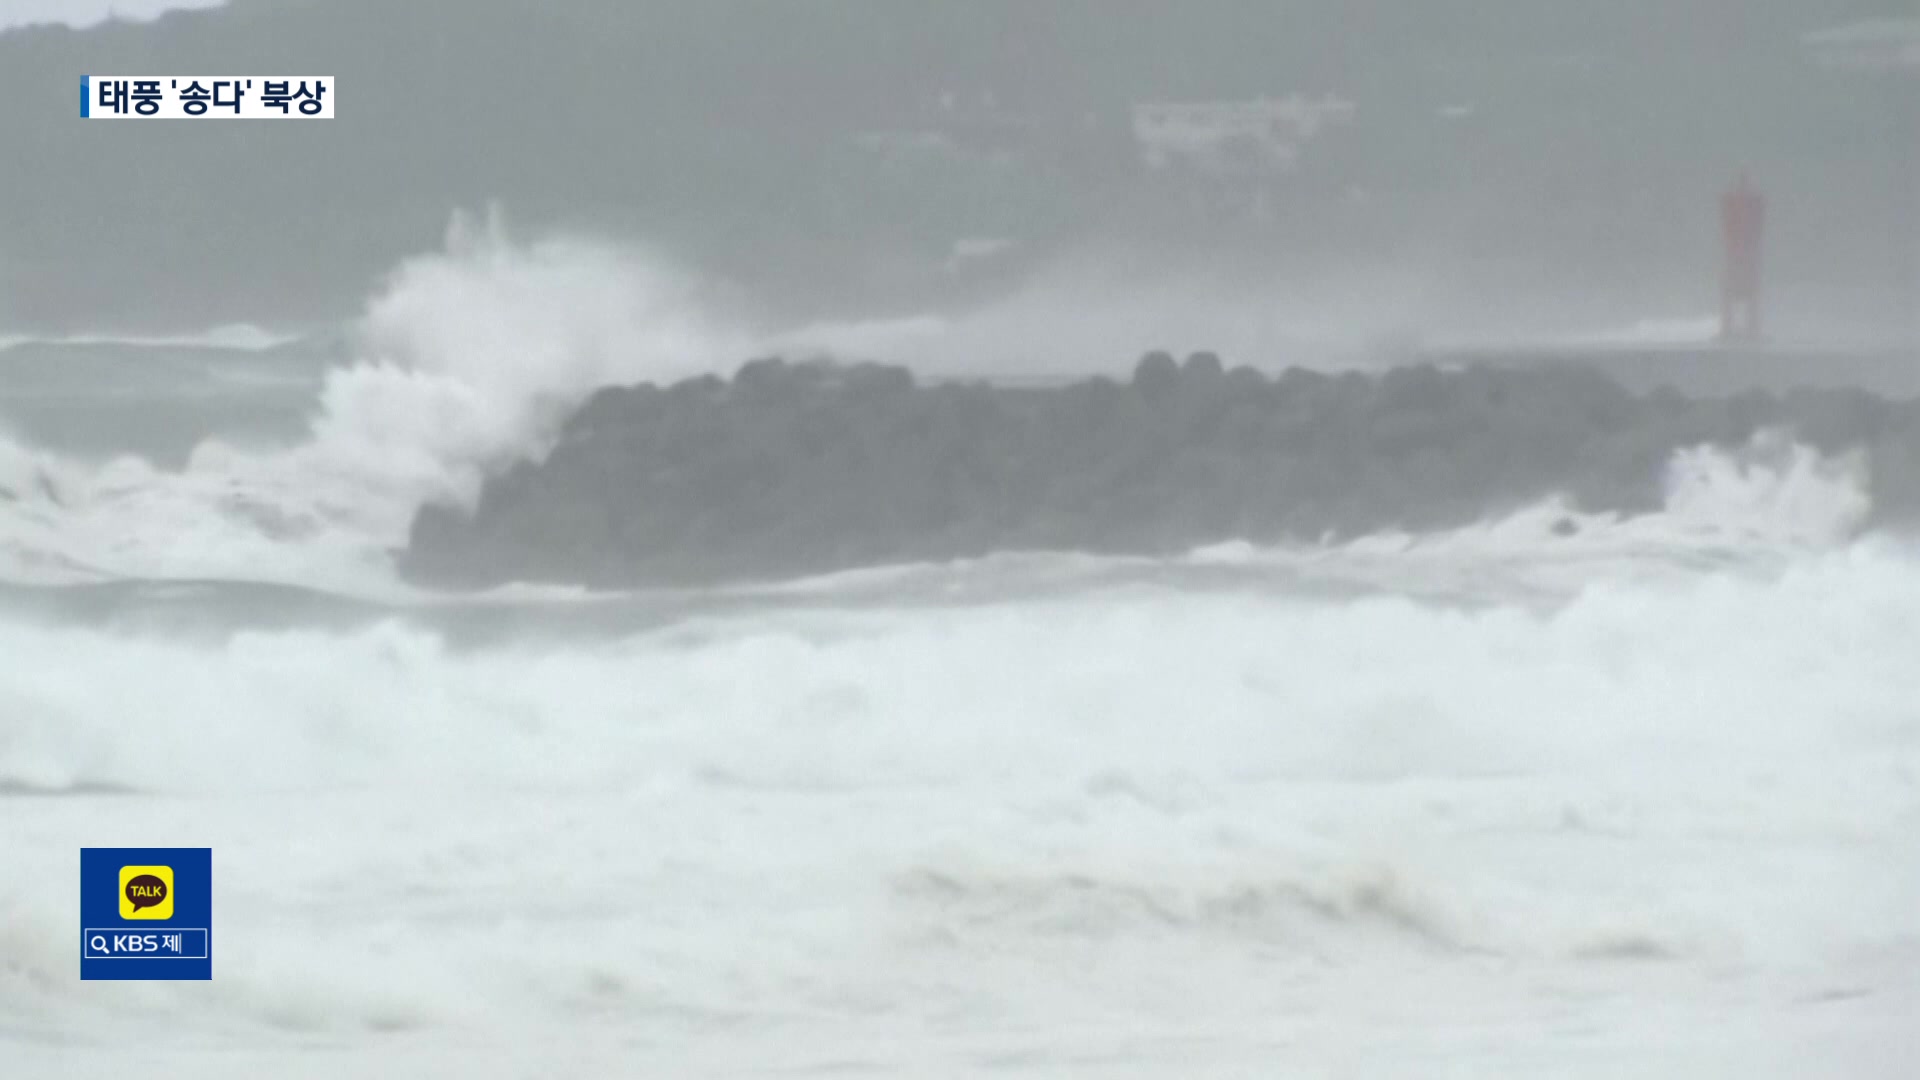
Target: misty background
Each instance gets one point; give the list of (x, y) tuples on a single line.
[(1509, 169)]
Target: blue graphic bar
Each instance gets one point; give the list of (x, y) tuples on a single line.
[(86, 98)]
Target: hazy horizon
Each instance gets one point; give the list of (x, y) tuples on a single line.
[(735, 142)]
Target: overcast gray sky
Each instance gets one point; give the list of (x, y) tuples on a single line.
[(1557, 159), (88, 12)]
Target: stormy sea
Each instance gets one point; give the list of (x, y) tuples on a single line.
[(521, 753)]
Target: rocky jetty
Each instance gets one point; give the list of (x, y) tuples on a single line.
[(791, 469)]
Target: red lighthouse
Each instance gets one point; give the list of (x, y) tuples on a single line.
[(1743, 218)]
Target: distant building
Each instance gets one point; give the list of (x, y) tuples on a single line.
[(1875, 45), (1262, 136)]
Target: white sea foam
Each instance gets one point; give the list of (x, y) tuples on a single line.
[(1161, 831), (240, 337), (1635, 797), (1757, 508), (1097, 312), (1677, 331), (464, 359)]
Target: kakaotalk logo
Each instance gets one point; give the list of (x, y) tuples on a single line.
[(146, 892)]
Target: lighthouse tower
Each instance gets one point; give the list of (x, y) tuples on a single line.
[(1743, 216)]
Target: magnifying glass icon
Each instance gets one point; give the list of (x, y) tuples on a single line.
[(98, 943)]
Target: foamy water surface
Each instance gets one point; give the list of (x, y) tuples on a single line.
[(1637, 797)]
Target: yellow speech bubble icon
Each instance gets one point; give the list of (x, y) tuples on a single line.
[(146, 892)]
